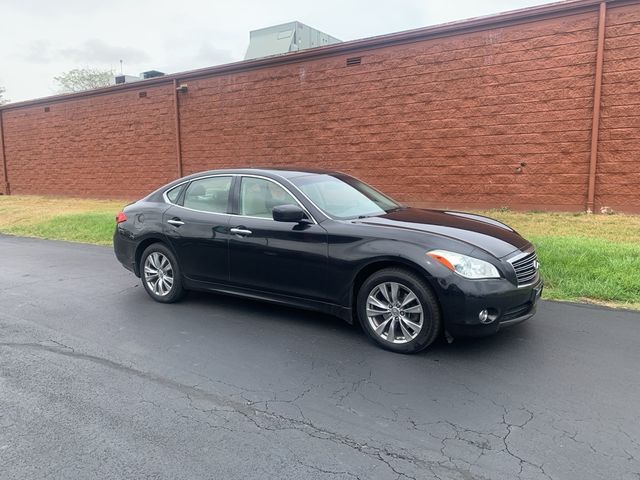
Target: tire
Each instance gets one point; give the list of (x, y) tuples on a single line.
[(379, 304), (164, 288)]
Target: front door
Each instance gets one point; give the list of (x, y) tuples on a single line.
[(275, 257), (198, 229)]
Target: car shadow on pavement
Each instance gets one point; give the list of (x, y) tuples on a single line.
[(270, 312), (279, 320)]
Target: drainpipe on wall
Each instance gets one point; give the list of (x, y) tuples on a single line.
[(176, 91), (3, 157), (595, 126)]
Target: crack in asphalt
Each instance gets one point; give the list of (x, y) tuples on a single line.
[(324, 470), (260, 414), (509, 427), (279, 422)]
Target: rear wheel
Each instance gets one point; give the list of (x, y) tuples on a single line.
[(160, 274), (399, 311)]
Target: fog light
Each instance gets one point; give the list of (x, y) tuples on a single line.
[(485, 317)]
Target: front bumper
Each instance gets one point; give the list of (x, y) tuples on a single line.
[(463, 300)]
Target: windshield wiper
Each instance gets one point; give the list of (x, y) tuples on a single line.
[(395, 209)]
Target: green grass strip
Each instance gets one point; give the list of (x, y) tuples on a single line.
[(585, 268), (95, 228)]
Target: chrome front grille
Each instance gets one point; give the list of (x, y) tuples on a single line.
[(526, 268)]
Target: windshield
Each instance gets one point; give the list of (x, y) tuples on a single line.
[(343, 197)]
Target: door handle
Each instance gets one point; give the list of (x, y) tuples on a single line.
[(240, 231), (176, 222)]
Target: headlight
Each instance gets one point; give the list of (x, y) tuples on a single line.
[(464, 265)]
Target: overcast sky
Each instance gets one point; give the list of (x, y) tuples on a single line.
[(42, 38)]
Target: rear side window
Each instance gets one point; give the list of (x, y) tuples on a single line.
[(208, 194), (174, 193)]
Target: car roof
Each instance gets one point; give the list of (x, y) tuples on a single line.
[(290, 173), (271, 172), (284, 172)]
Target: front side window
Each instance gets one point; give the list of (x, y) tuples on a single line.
[(258, 197), (208, 194), (344, 197)]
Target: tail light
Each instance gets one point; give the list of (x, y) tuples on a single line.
[(121, 217)]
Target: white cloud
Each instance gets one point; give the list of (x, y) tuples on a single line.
[(42, 38), (99, 52)]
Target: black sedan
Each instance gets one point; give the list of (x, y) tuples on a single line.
[(329, 242)]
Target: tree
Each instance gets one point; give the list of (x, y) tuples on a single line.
[(80, 79), (3, 99)]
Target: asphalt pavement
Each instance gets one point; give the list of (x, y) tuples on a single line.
[(99, 381)]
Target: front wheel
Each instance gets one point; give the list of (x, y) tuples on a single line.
[(161, 274), (399, 311)]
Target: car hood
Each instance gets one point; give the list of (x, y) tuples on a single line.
[(481, 232)]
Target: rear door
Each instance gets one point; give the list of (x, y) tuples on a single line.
[(197, 227), (285, 258)]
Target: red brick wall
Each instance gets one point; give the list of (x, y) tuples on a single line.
[(499, 117), (115, 145), (618, 173), (3, 180), (441, 122)]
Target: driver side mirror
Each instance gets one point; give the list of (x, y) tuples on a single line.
[(288, 213)]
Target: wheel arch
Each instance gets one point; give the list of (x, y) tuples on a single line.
[(379, 264), (143, 245)]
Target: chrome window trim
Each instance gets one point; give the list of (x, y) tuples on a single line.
[(166, 199), (280, 185)]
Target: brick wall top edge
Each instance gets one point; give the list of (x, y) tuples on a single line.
[(514, 17)]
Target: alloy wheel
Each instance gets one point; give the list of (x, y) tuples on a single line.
[(158, 274), (394, 312)]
